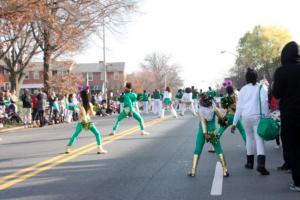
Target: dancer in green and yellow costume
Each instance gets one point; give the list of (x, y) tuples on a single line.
[(229, 104), (130, 109), (207, 132), (85, 113)]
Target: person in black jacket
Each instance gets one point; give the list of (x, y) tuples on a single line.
[(286, 88)]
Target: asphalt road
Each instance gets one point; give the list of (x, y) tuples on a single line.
[(137, 167)]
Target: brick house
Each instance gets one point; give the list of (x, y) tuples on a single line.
[(34, 74), (92, 74)]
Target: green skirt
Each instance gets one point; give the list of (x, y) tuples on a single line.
[(167, 101)]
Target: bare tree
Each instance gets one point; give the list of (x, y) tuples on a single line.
[(164, 71), (136, 82), (65, 84), (64, 25), (17, 43)]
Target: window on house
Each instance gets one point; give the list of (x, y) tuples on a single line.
[(90, 76), (26, 75), (1, 70), (6, 72), (116, 76), (7, 86), (36, 75)]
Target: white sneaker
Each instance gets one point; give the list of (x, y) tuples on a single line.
[(100, 150), (294, 188), (144, 133)]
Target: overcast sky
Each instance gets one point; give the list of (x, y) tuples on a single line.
[(193, 32)]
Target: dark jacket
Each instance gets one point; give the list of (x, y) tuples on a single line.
[(26, 99), (286, 86), (40, 103)]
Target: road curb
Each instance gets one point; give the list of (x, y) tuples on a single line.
[(11, 129)]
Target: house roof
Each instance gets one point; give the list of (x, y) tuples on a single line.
[(98, 67), (76, 67), (58, 65)]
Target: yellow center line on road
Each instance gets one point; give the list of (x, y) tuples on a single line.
[(50, 163), (46, 162)]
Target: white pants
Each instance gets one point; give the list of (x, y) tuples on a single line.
[(250, 124), (27, 115), (172, 110), (178, 105), (190, 107), (145, 106), (69, 116), (157, 106), (152, 106), (121, 107), (196, 105)]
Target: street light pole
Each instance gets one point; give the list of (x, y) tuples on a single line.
[(222, 52), (104, 62), (87, 79), (165, 80)]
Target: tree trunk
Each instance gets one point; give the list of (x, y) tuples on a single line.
[(16, 82), (20, 80), (268, 75), (47, 61), (13, 80)]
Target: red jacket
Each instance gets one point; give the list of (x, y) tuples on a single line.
[(274, 104), (34, 102)]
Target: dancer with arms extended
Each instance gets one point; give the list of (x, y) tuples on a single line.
[(130, 109), (85, 113)]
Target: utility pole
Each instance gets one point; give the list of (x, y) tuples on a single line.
[(165, 81), (104, 62)]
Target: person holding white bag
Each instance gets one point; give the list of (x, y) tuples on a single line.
[(248, 107)]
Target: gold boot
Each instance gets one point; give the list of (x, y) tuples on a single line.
[(195, 161), (68, 150), (224, 165)]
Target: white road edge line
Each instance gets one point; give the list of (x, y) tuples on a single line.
[(217, 185)]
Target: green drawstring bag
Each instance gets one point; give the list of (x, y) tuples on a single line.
[(268, 128)]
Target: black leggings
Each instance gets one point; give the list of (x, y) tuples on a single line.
[(40, 116)]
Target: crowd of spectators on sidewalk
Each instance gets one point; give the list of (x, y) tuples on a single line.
[(37, 109)]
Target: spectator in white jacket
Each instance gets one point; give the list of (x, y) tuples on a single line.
[(248, 107)]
